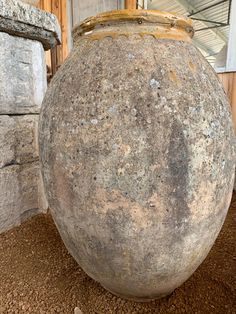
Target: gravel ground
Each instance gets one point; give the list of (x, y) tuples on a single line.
[(37, 275)]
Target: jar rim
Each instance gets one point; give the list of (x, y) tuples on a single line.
[(140, 16)]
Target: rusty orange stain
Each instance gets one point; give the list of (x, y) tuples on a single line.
[(173, 77), (192, 67)]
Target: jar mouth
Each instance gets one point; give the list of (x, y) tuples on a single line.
[(153, 18)]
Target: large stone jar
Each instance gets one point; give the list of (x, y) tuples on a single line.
[(136, 145)]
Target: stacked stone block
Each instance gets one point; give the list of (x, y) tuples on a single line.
[(25, 32)]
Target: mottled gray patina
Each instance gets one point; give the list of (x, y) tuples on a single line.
[(22, 75), (137, 157)]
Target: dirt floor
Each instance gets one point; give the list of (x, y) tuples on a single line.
[(37, 275)]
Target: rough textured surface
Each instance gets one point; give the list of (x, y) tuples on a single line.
[(18, 140), (22, 75), (18, 194), (21, 19), (38, 276), (23, 83), (21, 190), (31, 2), (137, 155)]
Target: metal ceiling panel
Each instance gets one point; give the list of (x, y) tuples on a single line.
[(212, 40)]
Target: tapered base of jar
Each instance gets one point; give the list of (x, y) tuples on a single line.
[(139, 299)]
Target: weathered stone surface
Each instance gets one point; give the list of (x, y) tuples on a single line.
[(137, 155), (21, 19), (42, 200), (77, 311), (31, 2), (18, 140), (22, 75), (24, 32), (21, 189), (18, 194)]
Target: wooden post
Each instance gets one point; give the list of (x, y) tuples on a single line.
[(142, 4), (131, 4), (57, 55), (228, 80), (231, 61)]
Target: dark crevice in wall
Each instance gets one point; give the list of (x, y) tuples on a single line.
[(19, 114), (16, 163)]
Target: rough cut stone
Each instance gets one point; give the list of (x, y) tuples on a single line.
[(18, 140), (24, 34), (21, 19), (18, 194), (21, 189), (42, 200), (22, 75)]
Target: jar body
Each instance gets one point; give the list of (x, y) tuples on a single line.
[(136, 145), (31, 2)]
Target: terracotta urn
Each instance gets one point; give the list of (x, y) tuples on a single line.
[(137, 156)]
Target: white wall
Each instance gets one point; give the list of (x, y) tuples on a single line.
[(81, 9)]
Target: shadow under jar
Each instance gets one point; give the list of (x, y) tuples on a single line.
[(136, 148)]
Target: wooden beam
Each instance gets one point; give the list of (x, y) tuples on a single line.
[(131, 4), (57, 55), (56, 9), (64, 29), (69, 24), (229, 82)]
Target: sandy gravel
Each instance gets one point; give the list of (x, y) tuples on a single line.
[(37, 275)]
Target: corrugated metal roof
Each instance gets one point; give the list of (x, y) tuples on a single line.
[(209, 41)]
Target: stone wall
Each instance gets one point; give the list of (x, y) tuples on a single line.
[(22, 75), (21, 194), (23, 85)]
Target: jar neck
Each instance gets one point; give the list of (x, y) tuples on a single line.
[(160, 25)]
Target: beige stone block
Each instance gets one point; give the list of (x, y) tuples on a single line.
[(22, 75), (18, 194), (18, 139)]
